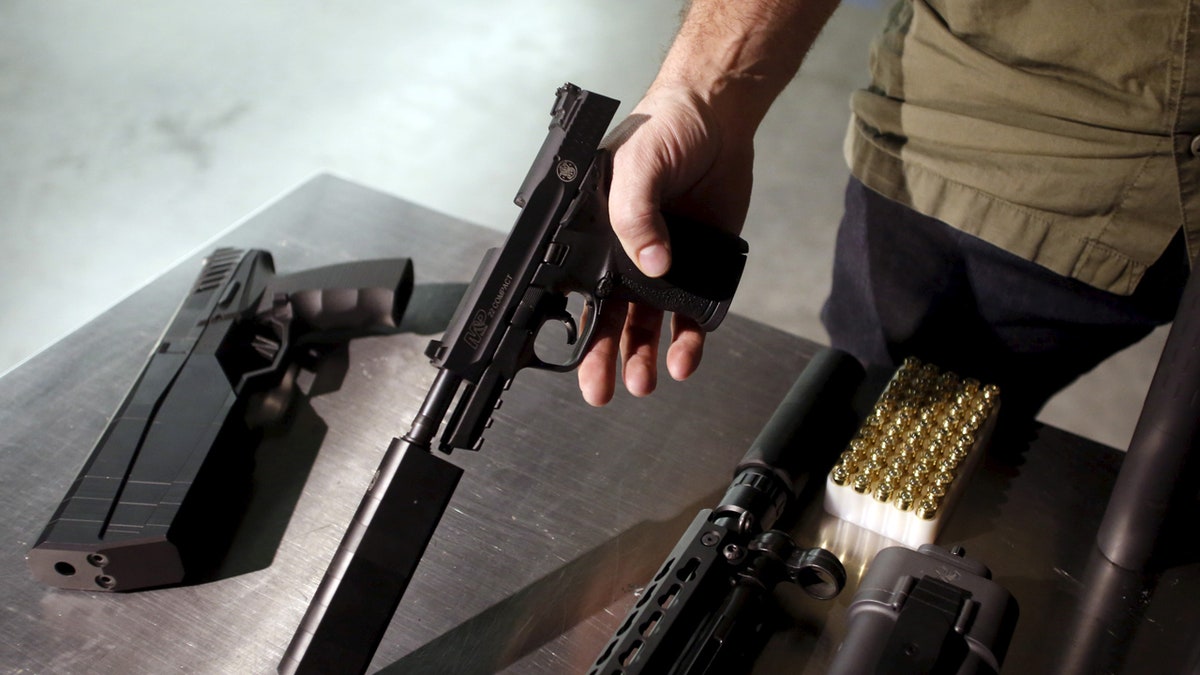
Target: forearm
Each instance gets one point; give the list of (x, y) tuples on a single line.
[(738, 55)]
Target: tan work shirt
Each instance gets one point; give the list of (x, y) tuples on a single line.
[(1066, 132)]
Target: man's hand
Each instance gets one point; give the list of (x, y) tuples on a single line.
[(688, 149), (670, 154)]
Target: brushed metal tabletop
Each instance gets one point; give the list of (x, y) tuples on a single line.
[(558, 521)]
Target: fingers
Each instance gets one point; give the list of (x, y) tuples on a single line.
[(687, 348), (597, 372), (631, 334), (598, 369), (639, 349)]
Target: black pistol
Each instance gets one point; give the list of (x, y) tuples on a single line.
[(154, 499), (561, 245)]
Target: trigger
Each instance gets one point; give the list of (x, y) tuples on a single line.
[(568, 322)]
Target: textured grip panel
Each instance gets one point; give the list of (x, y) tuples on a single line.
[(706, 267)]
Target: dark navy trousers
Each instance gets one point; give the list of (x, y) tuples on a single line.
[(906, 284)]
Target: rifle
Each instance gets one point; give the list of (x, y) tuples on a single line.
[(154, 499), (562, 244), (703, 611)]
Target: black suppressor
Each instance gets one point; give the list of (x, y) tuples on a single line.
[(1160, 469)]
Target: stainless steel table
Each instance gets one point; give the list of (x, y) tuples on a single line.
[(560, 518)]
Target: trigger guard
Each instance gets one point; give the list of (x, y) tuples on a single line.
[(592, 308)]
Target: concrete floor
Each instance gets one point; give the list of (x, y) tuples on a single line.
[(132, 133)]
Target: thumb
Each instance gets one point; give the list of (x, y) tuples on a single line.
[(634, 203)]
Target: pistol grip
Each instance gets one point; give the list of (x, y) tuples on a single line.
[(706, 267), (356, 298)]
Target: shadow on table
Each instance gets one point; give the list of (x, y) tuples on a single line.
[(289, 445), (551, 606)]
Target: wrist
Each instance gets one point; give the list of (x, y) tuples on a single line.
[(737, 57), (736, 104)]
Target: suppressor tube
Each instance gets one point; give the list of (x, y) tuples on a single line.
[(1154, 474), (808, 429)]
